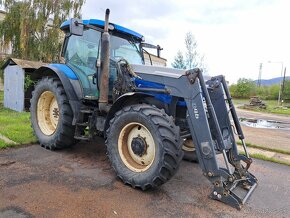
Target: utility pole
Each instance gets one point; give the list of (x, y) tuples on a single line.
[(260, 75), (280, 83), (283, 85)]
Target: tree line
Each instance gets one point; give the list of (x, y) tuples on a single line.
[(31, 27), (246, 88)]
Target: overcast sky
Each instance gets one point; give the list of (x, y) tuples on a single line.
[(234, 35)]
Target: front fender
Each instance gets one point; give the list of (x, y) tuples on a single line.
[(129, 98)]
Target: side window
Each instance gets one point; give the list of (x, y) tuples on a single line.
[(82, 51), (81, 55)]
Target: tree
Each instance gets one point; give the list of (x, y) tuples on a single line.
[(191, 53), (244, 88), (179, 61), (286, 93), (192, 57), (274, 91), (32, 26)]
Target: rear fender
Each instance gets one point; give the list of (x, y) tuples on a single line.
[(70, 83)]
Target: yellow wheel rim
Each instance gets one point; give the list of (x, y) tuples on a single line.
[(47, 113), (188, 145), (136, 147)]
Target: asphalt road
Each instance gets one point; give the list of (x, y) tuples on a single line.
[(79, 182)]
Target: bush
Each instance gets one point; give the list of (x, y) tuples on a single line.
[(286, 93), (243, 89), (2, 61)]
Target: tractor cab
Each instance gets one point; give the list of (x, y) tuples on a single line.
[(82, 51)]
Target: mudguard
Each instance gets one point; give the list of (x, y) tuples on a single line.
[(124, 100), (66, 75)]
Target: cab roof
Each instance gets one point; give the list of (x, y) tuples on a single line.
[(101, 23)]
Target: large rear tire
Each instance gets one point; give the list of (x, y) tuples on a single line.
[(189, 151), (51, 115), (144, 146)]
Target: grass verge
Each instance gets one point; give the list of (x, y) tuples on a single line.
[(5, 145), (15, 126), (271, 159), (265, 148)]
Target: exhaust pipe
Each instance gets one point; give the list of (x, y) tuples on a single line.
[(105, 64)]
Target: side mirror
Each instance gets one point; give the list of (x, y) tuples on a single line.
[(76, 27)]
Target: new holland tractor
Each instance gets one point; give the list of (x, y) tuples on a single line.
[(151, 117)]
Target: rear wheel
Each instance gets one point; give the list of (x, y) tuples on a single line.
[(51, 115), (189, 151), (144, 146)]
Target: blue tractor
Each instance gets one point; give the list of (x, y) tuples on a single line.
[(151, 117)]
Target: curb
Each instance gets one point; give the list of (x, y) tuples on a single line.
[(7, 140), (280, 158)]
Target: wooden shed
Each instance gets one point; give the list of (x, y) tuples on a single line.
[(15, 72)]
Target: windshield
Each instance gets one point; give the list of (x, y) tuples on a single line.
[(123, 48)]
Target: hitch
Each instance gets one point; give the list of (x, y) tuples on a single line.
[(236, 189), (212, 134)]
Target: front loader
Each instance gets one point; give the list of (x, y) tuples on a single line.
[(150, 116)]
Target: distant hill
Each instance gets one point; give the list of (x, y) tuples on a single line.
[(268, 82)]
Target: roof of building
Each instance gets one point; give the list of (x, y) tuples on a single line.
[(101, 23), (23, 63)]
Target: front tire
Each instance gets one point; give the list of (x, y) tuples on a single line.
[(144, 146), (51, 115)]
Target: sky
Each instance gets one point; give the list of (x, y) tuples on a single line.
[(235, 36)]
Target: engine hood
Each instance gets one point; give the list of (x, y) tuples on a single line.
[(161, 71), (155, 70)]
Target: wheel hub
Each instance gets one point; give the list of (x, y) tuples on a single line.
[(139, 146), (47, 112), (136, 147)]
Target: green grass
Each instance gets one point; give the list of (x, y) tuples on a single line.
[(2, 144), (15, 126), (266, 148), (5, 145), (271, 159), (265, 158), (271, 106)]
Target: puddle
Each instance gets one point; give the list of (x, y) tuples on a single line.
[(268, 124)]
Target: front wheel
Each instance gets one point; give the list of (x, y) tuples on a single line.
[(51, 115), (144, 146)]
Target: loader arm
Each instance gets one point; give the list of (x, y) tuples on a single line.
[(209, 107)]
